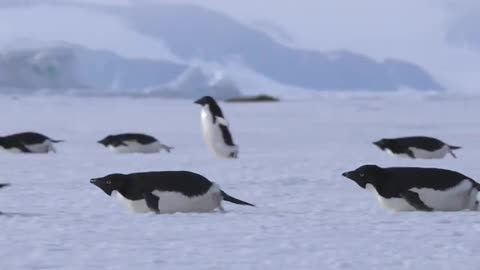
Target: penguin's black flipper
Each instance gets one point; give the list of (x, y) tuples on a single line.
[(227, 136), (414, 200), (410, 153), (152, 202), (119, 143), (23, 148)]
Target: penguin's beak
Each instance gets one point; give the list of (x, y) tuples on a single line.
[(379, 144), (100, 183), (347, 174), (200, 101)]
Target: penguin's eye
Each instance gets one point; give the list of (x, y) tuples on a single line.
[(362, 175), (109, 182)]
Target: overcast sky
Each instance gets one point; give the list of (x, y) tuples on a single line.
[(441, 35)]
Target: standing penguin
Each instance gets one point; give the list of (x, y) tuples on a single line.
[(165, 192), (416, 147), (133, 143), (215, 129), (28, 142), (418, 189)]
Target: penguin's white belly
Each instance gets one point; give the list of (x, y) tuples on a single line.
[(395, 204), (396, 154), (13, 150), (43, 147), (135, 147), (173, 202), (421, 153), (213, 136), (460, 197), (138, 206)]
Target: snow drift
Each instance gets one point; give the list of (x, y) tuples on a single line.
[(195, 82), (63, 68), (37, 69)]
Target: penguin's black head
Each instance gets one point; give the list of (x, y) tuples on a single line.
[(366, 174), (110, 182), (105, 140), (205, 100), (383, 143)]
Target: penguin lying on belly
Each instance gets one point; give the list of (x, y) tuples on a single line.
[(418, 189), (28, 142), (133, 143), (416, 147), (165, 192)]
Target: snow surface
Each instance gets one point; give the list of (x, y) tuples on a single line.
[(292, 154)]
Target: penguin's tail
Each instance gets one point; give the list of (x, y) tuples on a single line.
[(55, 141), (452, 147), (231, 199), (167, 148)]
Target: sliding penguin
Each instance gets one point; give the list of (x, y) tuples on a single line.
[(418, 189), (416, 147), (165, 192), (216, 129), (133, 143), (28, 142)]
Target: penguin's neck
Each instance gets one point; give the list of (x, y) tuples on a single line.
[(371, 188), (206, 113)]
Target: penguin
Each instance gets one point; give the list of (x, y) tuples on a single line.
[(215, 129), (165, 192), (133, 143), (28, 142), (416, 147), (417, 188)]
